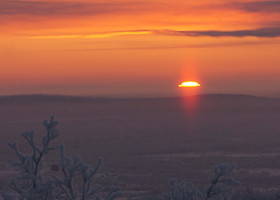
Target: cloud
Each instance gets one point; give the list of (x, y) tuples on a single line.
[(52, 8), (260, 6), (261, 32), (161, 47), (95, 7), (95, 35)]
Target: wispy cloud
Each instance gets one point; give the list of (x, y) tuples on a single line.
[(145, 13), (137, 14), (95, 35), (260, 6), (75, 7), (64, 8), (261, 32), (60, 8), (160, 47)]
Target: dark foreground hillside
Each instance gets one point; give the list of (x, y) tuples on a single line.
[(144, 142)]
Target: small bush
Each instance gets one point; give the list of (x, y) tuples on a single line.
[(221, 186)]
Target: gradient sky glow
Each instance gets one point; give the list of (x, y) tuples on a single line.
[(132, 47)]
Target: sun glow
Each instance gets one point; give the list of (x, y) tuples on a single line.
[(189, 84)]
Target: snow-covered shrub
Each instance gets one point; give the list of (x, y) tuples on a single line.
[(221, 186), (251, 193), (75, 167), (30, 184), (182, 191)]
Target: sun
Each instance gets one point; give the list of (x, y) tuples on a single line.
[(189, 84)]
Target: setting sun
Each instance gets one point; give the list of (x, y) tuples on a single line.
[(189, 84)]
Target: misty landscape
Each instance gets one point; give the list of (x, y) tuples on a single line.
[(143, 142), (139, 100)]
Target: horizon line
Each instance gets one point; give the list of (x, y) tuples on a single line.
[(132, 97)]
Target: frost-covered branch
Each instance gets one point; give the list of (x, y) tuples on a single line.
[(30, 184), (221, 184), (74, 168)]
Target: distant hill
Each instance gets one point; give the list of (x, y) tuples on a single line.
[(42, 98), (46, 98)]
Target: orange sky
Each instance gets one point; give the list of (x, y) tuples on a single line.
[(148, 47)]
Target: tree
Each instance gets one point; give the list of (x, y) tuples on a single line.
[(30, 184)]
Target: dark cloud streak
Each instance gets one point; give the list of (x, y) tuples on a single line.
[(262, 32), (48, 8), (260, 6)]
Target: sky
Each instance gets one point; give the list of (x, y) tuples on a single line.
[(139, 48)]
